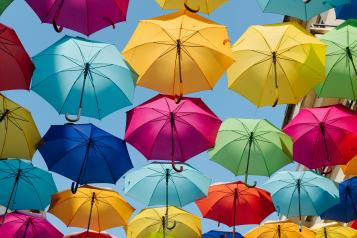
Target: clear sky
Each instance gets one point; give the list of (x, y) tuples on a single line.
[(237, 15)]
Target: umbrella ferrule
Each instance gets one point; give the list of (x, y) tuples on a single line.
[(349, 53), (274, 57), (178, 46), (251, 137), (18, 175), (4, 114), (322, 128), (167, 175), (279, 231), (307, 1), (172, 119), (86, 70)]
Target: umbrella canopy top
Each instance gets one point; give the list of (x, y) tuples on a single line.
[(204, 6), (335, 232)]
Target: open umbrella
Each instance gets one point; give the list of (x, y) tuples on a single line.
[(28, 225), (150, 223), (85, 17), (348, 148), (204, 6), (4, 4), (85, 154), (16, 66), (91, 208), (250, 205), (220, 234), (276, 64), (347, 11), (91, 234), (335, 232), (19, 136), (317, 133), (302, 9), (24, 187), (341, 62), (354, 225), (79, 76), (162, 129), (167, 53), (351, 167), (251, 146)]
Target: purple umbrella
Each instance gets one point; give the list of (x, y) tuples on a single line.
[(83, 16), (28, 225)]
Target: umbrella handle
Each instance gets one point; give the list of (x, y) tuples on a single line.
[(57, 28), (329, 171), (74, 187), (170, 227), (179, 170), (190, 9), (178, 98), (251, 185), (110, 21), (74, 119)]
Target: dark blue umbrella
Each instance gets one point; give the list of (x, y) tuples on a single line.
[(221, 234), (346, 210), (347, 11), (85, 154)]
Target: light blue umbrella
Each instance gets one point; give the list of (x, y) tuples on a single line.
[(24, 187), (79, 76), (302, 9), (297, 194)]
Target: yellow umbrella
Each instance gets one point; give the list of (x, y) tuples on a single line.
[(91, 208), (336, 232), (350, 168), (280, 230), (19, 136), (205, 6), (179, 53), (276, 64), (151, 223)]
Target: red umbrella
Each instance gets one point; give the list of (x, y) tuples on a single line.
[(354, 225), (236, 204), (16, 65), (162, 129), (348, 147), (91, 234)]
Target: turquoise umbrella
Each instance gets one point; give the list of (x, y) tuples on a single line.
[(78, 76)]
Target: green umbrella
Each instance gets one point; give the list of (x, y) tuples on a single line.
[(251, 146), (4, 4), (341, 60)]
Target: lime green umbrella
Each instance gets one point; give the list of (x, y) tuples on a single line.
[(341, 60), (251, 147), (4, 4)]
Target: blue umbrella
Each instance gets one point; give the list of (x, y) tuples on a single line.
[(24, 187), (85, 154), (346, 210), (79, 76), (221, 234), (347, 11)]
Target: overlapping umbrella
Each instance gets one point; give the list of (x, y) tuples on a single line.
[(91, 234), (347, 11), (205, 6), (4, 4), (335, 232), (348, 147), (220, 234)]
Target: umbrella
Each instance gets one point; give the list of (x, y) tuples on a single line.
[(16, 65), (162, 129), (341, 59), (351, 167), (297, 194), (24, 186), (19, 136), (276, 64), (347, 11), (251, 146), (28, 225), (346, 210), (354, 225), (150, 223), (85, 154), (91, 208), (85, 17), (304, 9), (317, 133), (77, 76), (167, 53), (205, 6), (4, 4), (335, 232), (220, 234), (348, 148), (250, 205), (280, 229), (91, 234), (158, 184)]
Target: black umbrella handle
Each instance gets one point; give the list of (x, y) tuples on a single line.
[(74, 187), (190, 9), (57, 28), (110, 21)]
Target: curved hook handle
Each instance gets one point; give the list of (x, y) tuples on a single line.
[(74, 187), (75, 119), (191, 9), (178, 98), (329, 171), (170, 227), (57, 28), (110, 21), (179, 170), (251, 185)]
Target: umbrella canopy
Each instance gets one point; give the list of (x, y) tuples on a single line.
[(348, 148), (354, 225), (351, 167), (85, 154), (167, 53), (347, 11), (85, 17), (24, 187), (204, 6), (77, 76), (91, 208), (220, 234), (251, 146), (335, 232), (19, 136), (317, 133), (276, 64), (341, 60), (150, 223), (304, 9), (162, 129), (255, 203), (28, 225), (16, 64), (297, 194), (280, 229), (4, 4), (90, 234)]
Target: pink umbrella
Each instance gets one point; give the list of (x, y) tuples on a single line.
[(317, 134), (29, 225), (162, 129), (84, 16), (90, 234)]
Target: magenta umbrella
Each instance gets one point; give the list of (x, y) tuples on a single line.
[(28, 225), (317, 134), (162, 129), (82, 16)]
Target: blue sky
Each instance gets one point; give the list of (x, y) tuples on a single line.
[(237, 15)]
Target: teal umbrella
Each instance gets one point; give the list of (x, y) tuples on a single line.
[(78, 76), (302, 9), (24, 187)]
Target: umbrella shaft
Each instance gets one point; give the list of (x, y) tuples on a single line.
[(90, 213), (84, 161), (86, 71), (251, 138), (323, 132), (235, 211), (26, 228), (299, 195), (11, 194)]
